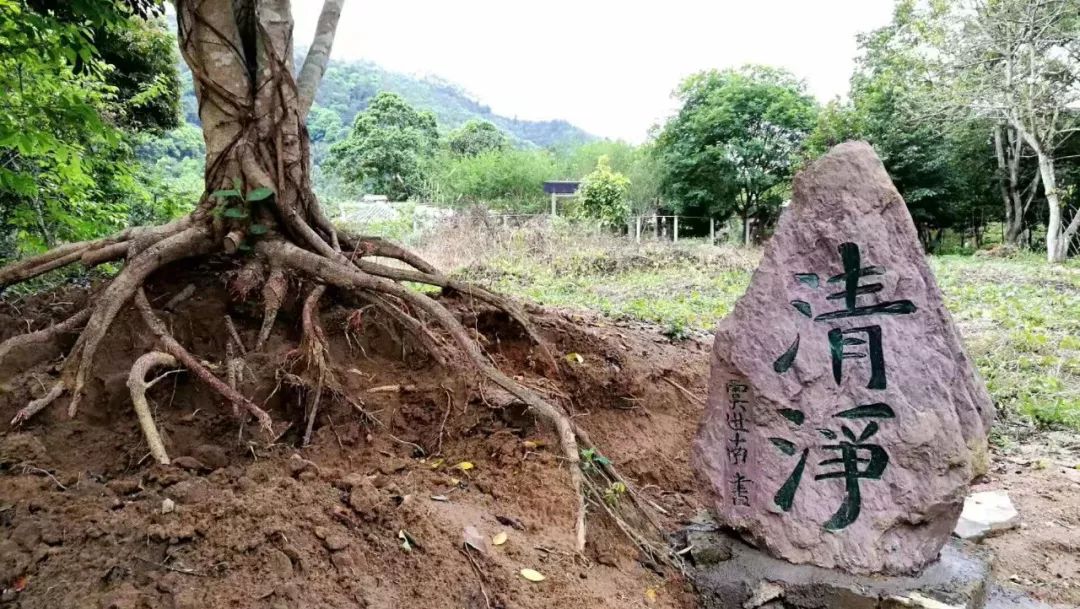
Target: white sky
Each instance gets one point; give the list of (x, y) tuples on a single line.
[(617, 62)]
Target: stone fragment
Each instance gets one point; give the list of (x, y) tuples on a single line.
[(844, 420), (212, 455), (168, 506), (985, 514), (124, 486)]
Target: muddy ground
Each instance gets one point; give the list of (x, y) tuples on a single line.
[(372, 514)]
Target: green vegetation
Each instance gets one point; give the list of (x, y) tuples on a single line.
[(1019, 317), (77, 88), (734, 145), (603, 195)]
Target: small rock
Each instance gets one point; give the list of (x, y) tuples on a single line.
[(985, 514), (708, 548), (212, 455), (124, 486), (278, 563), (195, 490), (343, 562), (307, 475), (168, 506), (336, 542), (190, 463), (765, 592), (348, 481), (298, 465)]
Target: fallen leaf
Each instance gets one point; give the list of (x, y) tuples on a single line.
[(531, 575), (437, 463), (407, 541), (454, 482), (650, 594), (474, 539), (575, 358), (499, 538), (19, 584), (464, 466), (530, 444)]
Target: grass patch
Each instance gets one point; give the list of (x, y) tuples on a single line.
[(1020, 318)]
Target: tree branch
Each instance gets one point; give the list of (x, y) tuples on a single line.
[(318, 54)]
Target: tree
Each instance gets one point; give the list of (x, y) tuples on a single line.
[(477, 137), (74, 87), (258, 214), (1016, 63), (389, 148), (604, 195), (735, 142)]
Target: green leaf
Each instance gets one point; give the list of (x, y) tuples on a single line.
[(236, 212), (258, 229), (259, 194), (225, 194)]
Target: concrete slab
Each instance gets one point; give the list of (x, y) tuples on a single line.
[(742, 577)]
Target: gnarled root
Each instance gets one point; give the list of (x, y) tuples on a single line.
[(274, 291), (313, 351), (39, 404), (45, 334), (137, 385), (351, 278), (174, 348)]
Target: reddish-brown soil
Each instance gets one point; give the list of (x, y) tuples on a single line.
[(81, 522), (273, 526)]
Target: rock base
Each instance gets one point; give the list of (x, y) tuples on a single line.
[(733, 575)]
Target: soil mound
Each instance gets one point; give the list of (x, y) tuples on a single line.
[(374, 512)]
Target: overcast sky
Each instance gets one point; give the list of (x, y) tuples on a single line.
[(608, 67)]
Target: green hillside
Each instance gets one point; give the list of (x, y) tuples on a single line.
[(349, 85)]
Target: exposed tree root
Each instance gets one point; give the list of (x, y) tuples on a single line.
[(351, 278), (274, 291), (137, 385), (313, 351), (36, 406), (45, 334), (174, 348)]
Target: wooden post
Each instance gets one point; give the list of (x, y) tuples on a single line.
[(712, 231), (676, 229), (553, 199), (637, 231), (656, 225)]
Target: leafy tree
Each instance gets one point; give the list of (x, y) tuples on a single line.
[(603, 195), (735, 143), (477, 137), (1018, 62), (637, 163), (67, 170), (389, 148)]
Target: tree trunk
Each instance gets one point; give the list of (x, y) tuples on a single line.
[(1007, 148), (745, 214)]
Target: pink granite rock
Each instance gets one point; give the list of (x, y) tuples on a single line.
[(844, 420)]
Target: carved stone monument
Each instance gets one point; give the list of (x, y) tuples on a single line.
[(844, 420)]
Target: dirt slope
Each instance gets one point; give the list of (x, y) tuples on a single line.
[(81, 522)]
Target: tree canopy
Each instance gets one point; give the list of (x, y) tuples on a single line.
[(735, 142)]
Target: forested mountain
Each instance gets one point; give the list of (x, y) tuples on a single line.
[(349, 85)]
